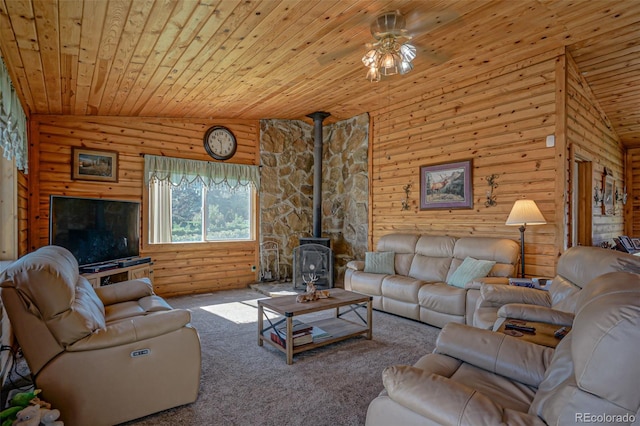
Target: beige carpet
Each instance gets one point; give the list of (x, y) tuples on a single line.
[(244, 384)]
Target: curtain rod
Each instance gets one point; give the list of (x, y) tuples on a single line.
[(142, 154)]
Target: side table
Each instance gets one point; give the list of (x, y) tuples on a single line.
[(543, 335)]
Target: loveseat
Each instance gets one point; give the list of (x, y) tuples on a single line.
[(418, 278), (482, 377), (557, 304), (101, 356)]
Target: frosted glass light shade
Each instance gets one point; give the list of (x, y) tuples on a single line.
[(525, 212), (408, 52), (370, 58), (373, 75)]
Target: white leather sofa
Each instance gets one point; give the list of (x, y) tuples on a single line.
[(482, 377), (557, 304), (101, 356), (423, 264)]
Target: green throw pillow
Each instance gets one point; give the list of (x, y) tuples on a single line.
[(470, 269), (379, 262)]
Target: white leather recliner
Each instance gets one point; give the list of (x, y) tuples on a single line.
[(482, 377), (576, 267), (101, 356)]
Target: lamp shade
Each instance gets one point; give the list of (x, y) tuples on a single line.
[(525, 212)]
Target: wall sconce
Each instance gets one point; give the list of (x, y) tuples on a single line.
[(622, 197), (405, 202), (491, 199), (598, 197)]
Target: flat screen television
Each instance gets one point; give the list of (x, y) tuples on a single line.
[(95, 230)]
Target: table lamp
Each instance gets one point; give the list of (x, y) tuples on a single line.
[(523, 213)]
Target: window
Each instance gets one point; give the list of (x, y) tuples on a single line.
[(187, 204)]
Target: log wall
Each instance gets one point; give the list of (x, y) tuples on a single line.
[(591, 136), (23, 213), (178, 268), (500, 121), (632, 208)]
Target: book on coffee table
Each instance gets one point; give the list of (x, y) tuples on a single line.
[(298, 339), (319, 333), (298, 327)]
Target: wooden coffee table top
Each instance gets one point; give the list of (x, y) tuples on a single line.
[(287, 305), (543, 335)]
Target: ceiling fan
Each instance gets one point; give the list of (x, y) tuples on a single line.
[(391, 52)]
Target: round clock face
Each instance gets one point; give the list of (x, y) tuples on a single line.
[(220, 143)]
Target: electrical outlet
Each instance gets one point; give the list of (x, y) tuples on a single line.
[(253, 268)]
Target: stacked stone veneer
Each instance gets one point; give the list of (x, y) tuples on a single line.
[(286, 194)]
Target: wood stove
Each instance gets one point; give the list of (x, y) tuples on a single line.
[(313, 258)]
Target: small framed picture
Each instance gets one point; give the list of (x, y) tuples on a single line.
[(90, 164), (608, 196), (636, 243)]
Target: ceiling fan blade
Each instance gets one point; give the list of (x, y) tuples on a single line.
[(328, 57), (436, 58), (419, 22)]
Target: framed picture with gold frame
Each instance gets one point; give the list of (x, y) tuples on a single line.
[(96, 165)]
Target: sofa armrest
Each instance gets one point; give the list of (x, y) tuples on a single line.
[(125, 291), (498, 353), (133, 330), (477, 283), (445, 401), (498, 295), (356, 265), (535, 313)]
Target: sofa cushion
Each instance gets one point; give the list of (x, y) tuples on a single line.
[(469, 270), (401, 288), (379, 262), (403, 245), (503, 251), (433, 256), (367, 283), (440, 297)]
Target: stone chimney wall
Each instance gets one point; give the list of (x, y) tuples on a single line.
[(286, 197)]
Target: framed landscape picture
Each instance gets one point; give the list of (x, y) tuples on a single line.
[(89, 164), (446, 186)]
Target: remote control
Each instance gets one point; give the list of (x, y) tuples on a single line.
[(561, 332), (509, 326)]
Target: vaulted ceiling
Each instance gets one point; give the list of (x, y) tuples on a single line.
[(288, 58)]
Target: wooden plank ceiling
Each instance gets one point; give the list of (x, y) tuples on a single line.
[(288, 58)]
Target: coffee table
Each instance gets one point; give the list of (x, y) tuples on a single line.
[(338, 328)]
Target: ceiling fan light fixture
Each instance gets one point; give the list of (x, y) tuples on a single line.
[(408, 52), (405, 67), (373, 75), (370, 58), (389, 61), (390, 23), (390, 55)]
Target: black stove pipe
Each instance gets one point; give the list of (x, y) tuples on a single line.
[(318, 117)]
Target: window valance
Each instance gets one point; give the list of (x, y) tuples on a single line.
[(13, 122), (179, 170)]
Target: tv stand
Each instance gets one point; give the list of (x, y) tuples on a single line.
[(117, 274)]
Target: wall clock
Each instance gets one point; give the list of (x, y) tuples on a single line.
[(220, 143)]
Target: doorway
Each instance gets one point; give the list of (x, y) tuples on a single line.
[(582, 203)]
